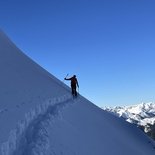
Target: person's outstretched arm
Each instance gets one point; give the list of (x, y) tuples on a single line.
[(67, 78)]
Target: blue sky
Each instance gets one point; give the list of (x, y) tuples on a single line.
[(108, 44)]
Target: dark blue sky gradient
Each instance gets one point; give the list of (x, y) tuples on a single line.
[(109, 44)]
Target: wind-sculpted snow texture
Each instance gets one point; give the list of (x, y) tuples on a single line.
[(35, 138), (38, 115)]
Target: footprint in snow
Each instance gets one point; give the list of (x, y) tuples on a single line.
[(3, 110)]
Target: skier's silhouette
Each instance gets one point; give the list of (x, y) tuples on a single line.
[(74, 83)]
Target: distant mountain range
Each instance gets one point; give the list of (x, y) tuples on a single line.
[(143, 115)]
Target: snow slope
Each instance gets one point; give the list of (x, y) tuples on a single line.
[(39, 117)]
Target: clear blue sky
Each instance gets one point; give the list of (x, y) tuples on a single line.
[(108, 44)]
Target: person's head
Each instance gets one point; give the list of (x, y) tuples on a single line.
[(74, 76)]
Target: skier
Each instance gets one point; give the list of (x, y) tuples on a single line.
[(74, 83)]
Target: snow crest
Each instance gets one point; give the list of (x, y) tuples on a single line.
[(30, 135)]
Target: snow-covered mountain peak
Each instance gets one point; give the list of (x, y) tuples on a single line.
[(142, 115), (142, 109)]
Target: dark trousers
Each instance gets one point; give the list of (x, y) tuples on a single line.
[(74, 92)]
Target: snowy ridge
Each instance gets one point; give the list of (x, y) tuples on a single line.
[(13, 142), (38, 115)]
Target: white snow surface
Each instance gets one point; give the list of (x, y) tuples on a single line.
[(38, 115)]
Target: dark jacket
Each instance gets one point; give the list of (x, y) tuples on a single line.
[(74, 81)]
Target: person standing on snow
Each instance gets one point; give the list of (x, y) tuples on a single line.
[(74, 83)]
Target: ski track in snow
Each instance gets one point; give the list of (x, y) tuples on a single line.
[(34, 140)]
